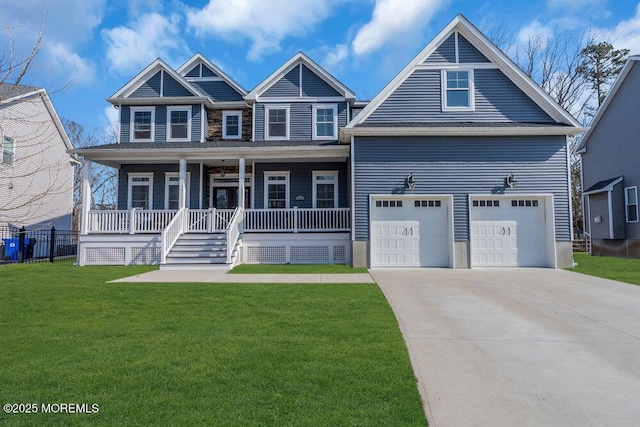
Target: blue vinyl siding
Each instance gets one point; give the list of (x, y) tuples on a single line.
[(288, 86), (194, 72), (446, 52), (613, 149), (314, 86), (300, 181), (468, 53), (172, 88), (150, 88), (300, 115), (497, 99), (461, 166), (158, 183), (218, 90), (161, 123), (208, 72), (125, 123), (160, 134), (196, 122)]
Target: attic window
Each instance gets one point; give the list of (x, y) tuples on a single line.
[(457, 90)]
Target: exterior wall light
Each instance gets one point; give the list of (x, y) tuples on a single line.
[(510, 181), (410, 182)]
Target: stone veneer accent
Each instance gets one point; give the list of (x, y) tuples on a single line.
[(214, 121)]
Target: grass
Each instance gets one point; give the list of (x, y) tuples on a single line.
[(200, 353), (295, 269), (621, 269)]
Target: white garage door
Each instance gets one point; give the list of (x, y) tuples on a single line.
[(508, 232), (410, 232)]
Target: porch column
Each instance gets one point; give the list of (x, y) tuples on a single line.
[(182, 184), (86, 196), (241, 183)]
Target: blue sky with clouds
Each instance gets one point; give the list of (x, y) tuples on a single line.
[(93, 47)]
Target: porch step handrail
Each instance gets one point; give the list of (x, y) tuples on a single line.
[(172, 232), (233, 232), (296, 220)]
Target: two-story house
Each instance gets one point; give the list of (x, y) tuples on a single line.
[(610, 155), (461, 161), (36, 171)]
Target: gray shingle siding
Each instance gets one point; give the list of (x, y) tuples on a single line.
[(150, 88), (314, 86), (446, 52), (497, 99), (172, 88), (300, 182), (218, 90), (158, 183), (468, 53), (461, 166), (613, 148), (288, 86), (300, 115)]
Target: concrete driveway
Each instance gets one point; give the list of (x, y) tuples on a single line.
[(520, 347)]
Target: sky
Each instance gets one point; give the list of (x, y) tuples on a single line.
[(91, 48)]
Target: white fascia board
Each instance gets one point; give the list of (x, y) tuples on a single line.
[(147, 73), (457, 131), (173, 100), (612, 93), (56, 120), (198, 57)]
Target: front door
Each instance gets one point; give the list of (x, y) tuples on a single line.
[(227, 197)]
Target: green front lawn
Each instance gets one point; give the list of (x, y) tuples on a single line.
[(295, 269), (621, 269), (200, 353)]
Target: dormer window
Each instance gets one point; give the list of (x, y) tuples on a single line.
[(143, 124), (232, 124), (325, 121), (178, 123), (457, 90)]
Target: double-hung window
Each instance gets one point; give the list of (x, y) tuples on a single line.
[(172, 190), (140, 190), (276, 190), (631, 203), (178, 123), (325, 189), (276, 122), (325, 121), (143, 124), (8, 150), (457, 90), (232, 124)]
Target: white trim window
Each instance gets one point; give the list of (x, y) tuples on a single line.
[(8, 150), (140, 190), (172, 190), (276, 122), (325, 189), (325, 121), (276, 190), (457, 90), (631, 203), (143, 124), (232, 124), (179, 123)]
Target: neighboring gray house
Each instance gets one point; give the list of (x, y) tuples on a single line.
[(610, 153), (36, 171), (461, 161)]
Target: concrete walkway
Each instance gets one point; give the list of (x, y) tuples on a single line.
[(219, 276), (520, 347)]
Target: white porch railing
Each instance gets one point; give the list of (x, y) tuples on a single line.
[(130, 221), (209, 220), (170, 234), (233, 232), (296, 220)]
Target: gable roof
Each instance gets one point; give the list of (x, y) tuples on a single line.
[(199, 58), (603, 108), (478, 40), (300, 58), (146, 74)]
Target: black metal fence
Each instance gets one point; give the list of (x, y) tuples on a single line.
[(19, 245)]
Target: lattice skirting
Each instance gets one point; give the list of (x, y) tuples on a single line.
[(121, 255), (294, 253)]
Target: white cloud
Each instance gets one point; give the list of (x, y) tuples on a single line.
[(63, 59), (151, 36), (394, 19), (626, 35), (534, 30), (334, 56), (265, 23)]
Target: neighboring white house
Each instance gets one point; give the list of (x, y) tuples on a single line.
[(36, 171)]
